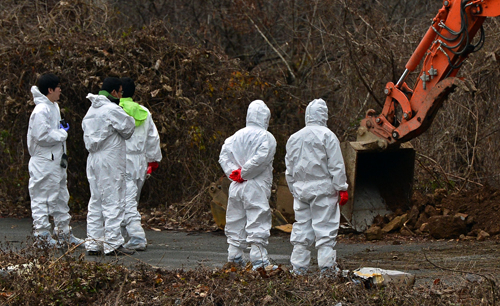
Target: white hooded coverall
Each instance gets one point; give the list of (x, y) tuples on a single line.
[(106, 126), (248, 215), (48, 180), (315, 173), (142, 148)]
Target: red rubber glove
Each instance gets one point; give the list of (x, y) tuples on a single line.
[(344, 196), (152, 167), (236, 176)]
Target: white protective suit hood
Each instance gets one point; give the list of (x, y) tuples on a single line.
[(97, 100), (317, 113), (258, 114), (38, 97)]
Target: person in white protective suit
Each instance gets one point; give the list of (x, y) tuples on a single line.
[(106, 126), (47, 166), (246, 158), (316, 177), (143, 156)]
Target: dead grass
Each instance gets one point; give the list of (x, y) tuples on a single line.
[(65, 278)]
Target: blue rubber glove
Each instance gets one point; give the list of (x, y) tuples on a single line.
[(66, 128)]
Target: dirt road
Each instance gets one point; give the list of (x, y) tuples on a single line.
[(430, 260)]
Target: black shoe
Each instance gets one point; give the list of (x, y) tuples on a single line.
[(94, 253), (120, 252)]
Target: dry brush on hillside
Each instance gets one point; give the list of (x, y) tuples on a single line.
[(198, 64)]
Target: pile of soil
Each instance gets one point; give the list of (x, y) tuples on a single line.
[(479, 207), (482, 204)]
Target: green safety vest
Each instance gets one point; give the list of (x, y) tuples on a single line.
[(134, 109)]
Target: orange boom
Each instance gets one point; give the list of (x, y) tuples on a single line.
[(380, 164)]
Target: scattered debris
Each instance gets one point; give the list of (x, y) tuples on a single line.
[(373, 233), (380, 277), (20, 269)]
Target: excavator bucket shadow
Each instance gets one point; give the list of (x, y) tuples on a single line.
[(380, 181)]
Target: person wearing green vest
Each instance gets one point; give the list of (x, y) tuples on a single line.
[(143, 156)]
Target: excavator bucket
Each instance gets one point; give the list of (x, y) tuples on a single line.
[(380, 181)]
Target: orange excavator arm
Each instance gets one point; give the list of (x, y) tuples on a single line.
[(408, 112)]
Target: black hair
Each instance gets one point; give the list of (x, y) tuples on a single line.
[(47, 81), (128, 87), (110, 84)]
